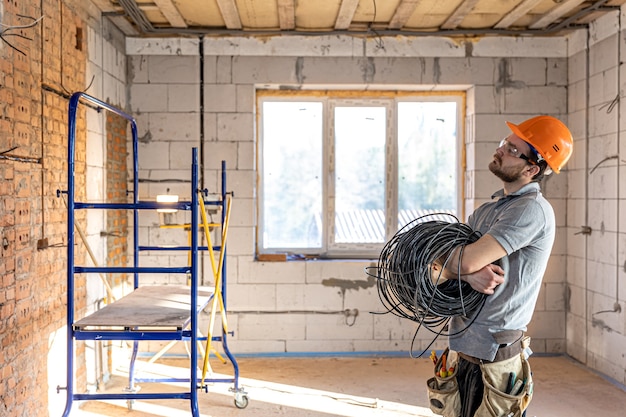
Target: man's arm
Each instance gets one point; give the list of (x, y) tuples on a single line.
[(476, 264), (486, 279)]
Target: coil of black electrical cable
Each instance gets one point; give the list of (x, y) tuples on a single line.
[(411, 283)]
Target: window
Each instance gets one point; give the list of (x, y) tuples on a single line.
[(341, 173)]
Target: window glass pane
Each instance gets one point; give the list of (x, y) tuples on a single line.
[(360, 174), (292, 175), (427, 162)]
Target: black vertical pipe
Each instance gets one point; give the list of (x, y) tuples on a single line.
[(201, 150), (201, 145)]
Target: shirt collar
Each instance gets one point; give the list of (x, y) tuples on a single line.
[(528, 188)]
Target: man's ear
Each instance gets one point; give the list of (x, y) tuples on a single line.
[(533, 170)]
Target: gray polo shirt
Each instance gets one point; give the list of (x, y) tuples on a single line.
[(523, 223)]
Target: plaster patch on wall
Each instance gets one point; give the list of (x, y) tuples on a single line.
[(595, 322), (147, 138), (504, 77), (349, 284), (436, 71), (422, 62), (369, 70), (299, 70)]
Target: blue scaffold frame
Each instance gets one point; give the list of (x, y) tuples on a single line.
[(129, 331)]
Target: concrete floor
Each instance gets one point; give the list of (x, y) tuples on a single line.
[(353, 387)]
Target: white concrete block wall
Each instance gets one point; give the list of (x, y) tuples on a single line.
[(576, 306), (166, 104), (595, 324), (505, 79)]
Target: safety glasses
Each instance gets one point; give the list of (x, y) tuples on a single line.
[(513, 151)]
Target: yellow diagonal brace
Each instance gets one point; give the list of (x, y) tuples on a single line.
[(205, 224), (217, 270), (217, 274), (218, 294)]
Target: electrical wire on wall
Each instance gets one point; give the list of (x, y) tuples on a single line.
[(349, 314), (617, 306), (614, 104), (413, 281), (8, 156), (380, 44), (7, 30)]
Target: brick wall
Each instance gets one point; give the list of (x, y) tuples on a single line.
[(33, 130), (117, 220)]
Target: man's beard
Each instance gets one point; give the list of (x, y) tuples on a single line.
[(507, 175)]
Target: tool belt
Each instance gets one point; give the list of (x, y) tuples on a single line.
[(507, 388), (507, 380), (443, 390), (512, 343)]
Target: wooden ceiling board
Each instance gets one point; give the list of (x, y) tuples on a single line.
[(403, 13), (546, 5), (183, 17), (346, 14), (427, 21), (454, 20), (524, 21), (433, 19), (286, 14), (555, 14), (200, 13), (438, 7), (519, 11), (496, 7), (480, 21), (258, 14), (106, 5), (171, 13), (379, 12), (155, 17), (316, 14), (432, 14)]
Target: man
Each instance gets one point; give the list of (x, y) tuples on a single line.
[(507, 263)]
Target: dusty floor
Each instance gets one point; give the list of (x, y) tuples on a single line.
[(352, 387)]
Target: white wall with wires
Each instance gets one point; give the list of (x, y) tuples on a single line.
[(596, 224), (317, 306)]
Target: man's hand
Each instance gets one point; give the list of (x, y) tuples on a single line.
[(486, 279)]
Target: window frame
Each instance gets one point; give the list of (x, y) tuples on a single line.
[(334, 248), (331, 99)]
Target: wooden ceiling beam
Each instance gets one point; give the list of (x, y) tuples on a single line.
[(554, 14), (454, 20), (287, 14), (519, 11), (171, 13), (346, 14), (106, 6), (132, 15), (403, 13), (230, 14)]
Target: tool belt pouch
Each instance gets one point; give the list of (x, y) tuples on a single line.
[(497, 402), (443, 392)]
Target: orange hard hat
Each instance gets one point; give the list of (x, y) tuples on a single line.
[(549, 136)]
